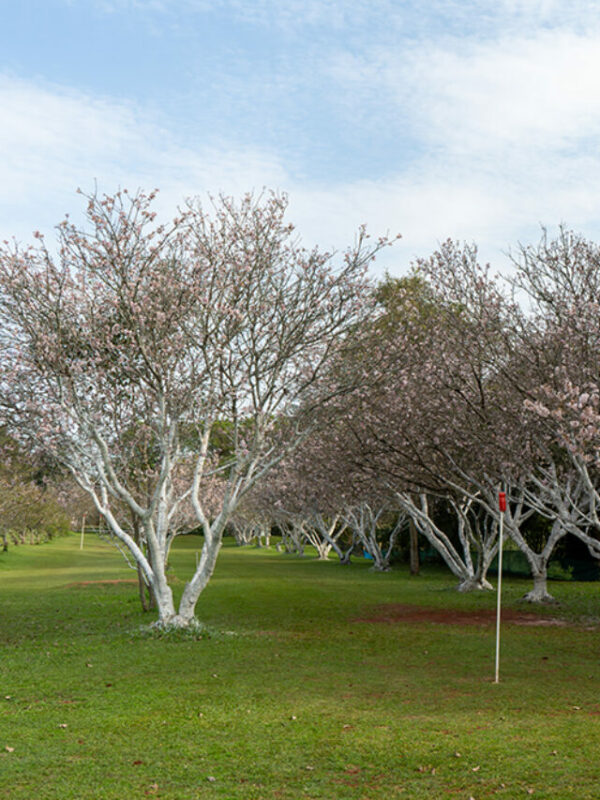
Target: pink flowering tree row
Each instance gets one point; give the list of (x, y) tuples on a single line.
[(465, 384), (203, 343)]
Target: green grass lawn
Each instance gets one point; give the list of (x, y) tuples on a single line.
[(294, 698)]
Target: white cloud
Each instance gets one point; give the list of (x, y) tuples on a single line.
[(466, 95), (505, 136), (504, 133), (542, 91), (54, 141)]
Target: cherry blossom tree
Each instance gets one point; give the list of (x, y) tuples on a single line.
[(367, 521), (305, 500), (292, 527), (441, 426), (520, 353), (249, 524), (216, 322), (243, 527), (420, 422), (561, 278)]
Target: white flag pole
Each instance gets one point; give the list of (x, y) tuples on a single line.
[(502, 507)]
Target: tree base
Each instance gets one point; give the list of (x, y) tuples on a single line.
[(540, 596), (178, 623), (475, 585)]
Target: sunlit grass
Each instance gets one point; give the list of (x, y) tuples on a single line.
[(294, 698)]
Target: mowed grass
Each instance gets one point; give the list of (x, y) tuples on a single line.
[(293, 697)]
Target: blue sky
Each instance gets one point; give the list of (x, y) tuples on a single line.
[(476, 120)]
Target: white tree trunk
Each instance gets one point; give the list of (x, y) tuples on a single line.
[(292, 534), (363, 520), (538, 562), (474, 584), (331, 530), (243, 532), (539, 593), (187, 607), (461, 564)]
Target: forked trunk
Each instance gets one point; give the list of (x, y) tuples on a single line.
[(323, 550), (539, 593), (164, 603), (185, 616), (474, 584), (538, 562)]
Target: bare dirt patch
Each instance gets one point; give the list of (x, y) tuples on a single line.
[(393, 613)]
